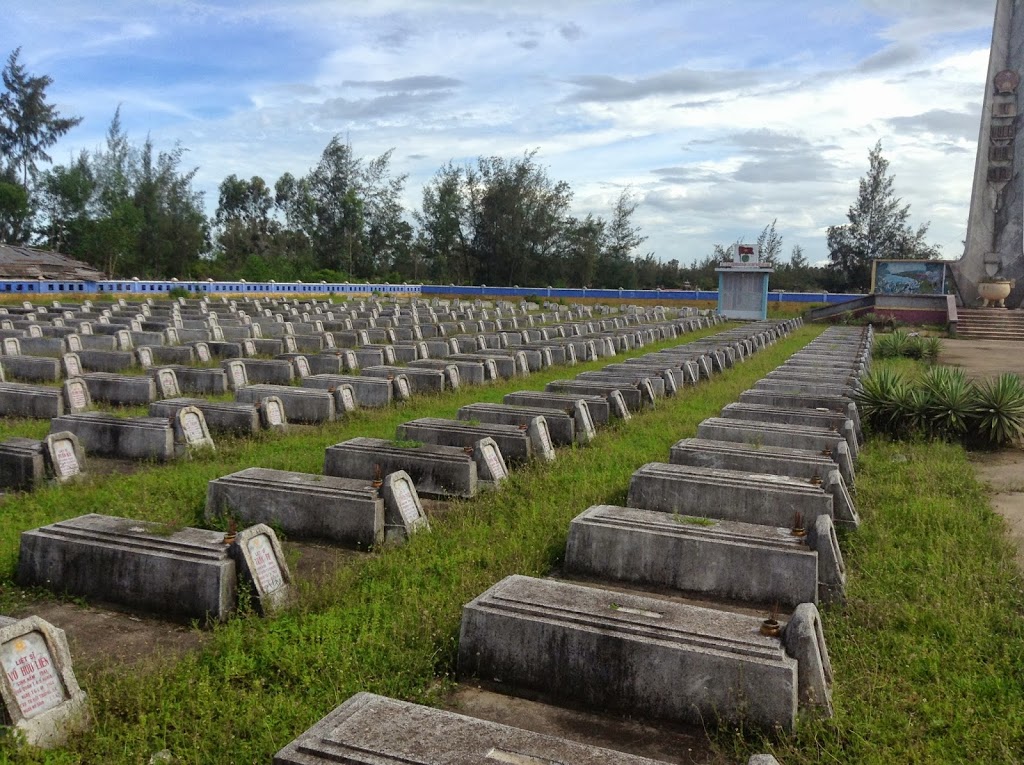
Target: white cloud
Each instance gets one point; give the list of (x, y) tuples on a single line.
[(720, 116)]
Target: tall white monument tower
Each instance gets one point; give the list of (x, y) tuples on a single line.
[(995, 228)]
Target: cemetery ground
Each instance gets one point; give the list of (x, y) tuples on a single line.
[(928, 651)]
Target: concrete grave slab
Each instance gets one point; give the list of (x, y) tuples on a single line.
[(185, 573), (382, 731), (307, 405), (437, 471), (825, 442), (220, 416), (810, 418), (809, 466), (370, 392), (515, 443), (22, 463), (104, 435), (32, 401), (597, 407), (654, 658), (120, 390), (720, 559), (561, 426), (727, 495)]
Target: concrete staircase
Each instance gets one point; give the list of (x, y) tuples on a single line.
[(990, 324)]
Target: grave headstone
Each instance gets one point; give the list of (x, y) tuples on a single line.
[(491, 464), (65, 455), (345, 398), (12, 346), (260, 560), (144, 357), (40, 693), (167, 383), (71, 365), (237, 377), (202, 352), (272, 414), (76, 395), (190, 429), (403, 511)]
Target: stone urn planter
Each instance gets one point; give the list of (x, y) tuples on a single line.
[(994, 292)]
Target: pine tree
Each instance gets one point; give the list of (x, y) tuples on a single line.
[(28, 125), (878, 228)]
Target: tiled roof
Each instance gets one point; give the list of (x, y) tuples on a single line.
[(21, 262)]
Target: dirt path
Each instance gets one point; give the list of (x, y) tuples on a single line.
[(1002, 471)]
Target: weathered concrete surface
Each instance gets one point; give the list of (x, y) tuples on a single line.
[(722, 559), (561, 426), (370, 392), (104, 435), (221, 417), (515, 443), (808, 418), (598, 411), (185, 573), (614, 650), (788, 436), (310, 405), (122, 390), (374, 729), (437, 471), (733, 495), (33, 401), (347, 511), (22, 463), (774, 460)]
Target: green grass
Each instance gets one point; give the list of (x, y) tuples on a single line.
[(386, 623), (928, 653)]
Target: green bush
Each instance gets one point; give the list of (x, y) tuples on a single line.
[(943, 404), (998, 415), (899, 344)]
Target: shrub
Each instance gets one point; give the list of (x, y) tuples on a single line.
[(998, 414), (951, 401), (943, 404)]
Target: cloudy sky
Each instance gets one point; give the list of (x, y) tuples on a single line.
[(720, 115)]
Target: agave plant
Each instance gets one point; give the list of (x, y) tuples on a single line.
[(892, 345), (951, 400), (932, 349), (998, 416), (914, 347), (881, 388)]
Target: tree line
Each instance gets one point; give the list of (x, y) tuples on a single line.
[(130, 209)]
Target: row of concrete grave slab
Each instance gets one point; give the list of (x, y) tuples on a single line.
[(195, 573), (446, 458), (573, 643), (453, 457), (147, 334), (177, 423)]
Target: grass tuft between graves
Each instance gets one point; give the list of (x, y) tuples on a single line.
[(386, 623), (928, 652)]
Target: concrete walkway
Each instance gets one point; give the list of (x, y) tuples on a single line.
[(1002, 471)]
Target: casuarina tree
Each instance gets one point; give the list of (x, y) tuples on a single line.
[(878, 228)]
